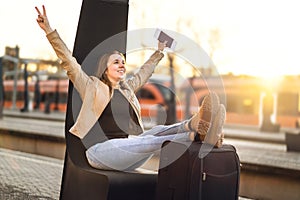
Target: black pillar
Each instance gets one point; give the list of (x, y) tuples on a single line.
[(189, 92), (56, 96), (99, 20), (37, 93), (26, 93)]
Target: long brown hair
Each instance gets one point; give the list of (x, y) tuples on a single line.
[(102, 68)]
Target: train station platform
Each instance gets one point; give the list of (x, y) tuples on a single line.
[(29, 176), (267, 170), (33, 177)]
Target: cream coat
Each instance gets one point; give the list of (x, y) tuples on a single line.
[(95, 100)]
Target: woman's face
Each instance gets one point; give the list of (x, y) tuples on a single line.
[(115, 68)]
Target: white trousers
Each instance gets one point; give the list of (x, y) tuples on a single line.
[(126, 154)]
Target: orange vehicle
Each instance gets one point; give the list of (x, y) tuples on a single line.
[(155, 98), (52, 93), (243, 97)]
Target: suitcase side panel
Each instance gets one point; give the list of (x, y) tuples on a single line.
[(218, 177)]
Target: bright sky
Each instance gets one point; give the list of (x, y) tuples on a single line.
[(257, 37)]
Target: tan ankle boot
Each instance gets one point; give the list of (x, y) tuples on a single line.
[(215, 135), (200, 122)]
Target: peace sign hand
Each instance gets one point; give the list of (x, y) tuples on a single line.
[(42, 20)]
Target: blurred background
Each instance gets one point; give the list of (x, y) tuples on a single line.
[(253, 65), (252, 46)]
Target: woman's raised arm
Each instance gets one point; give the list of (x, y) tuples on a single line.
[(43, 21)]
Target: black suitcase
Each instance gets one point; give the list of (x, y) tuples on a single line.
[(198, 172)]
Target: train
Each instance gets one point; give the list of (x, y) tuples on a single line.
[(243, 95)]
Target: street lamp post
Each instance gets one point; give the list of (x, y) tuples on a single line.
[(171, 109), (16, 63), (26, 93)]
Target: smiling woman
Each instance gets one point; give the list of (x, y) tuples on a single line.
[(114, 65), (109, 103)]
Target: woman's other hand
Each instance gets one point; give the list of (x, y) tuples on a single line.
[(42, 20), (161, 45)]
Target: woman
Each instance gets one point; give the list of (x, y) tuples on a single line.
[(109, 99)]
